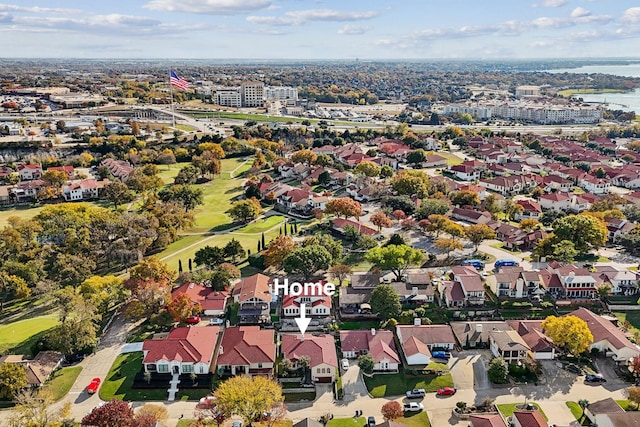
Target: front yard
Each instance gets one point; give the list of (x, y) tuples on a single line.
[(62, 380), (118, 383), (383, 385), (507, 409)]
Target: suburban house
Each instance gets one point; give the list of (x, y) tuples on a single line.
[(5, 198), (607, 337), (38, 369), (471, 216), (417, 342), (617, 227), (504, 185), (118, 168), (531, 209), (623, 282), (183, 351), (378, 343), (555, 183), (254, 296), (213, 302), (29, 172), (464, 289), (354, 299), (607, 406), (541, 346), (247, 350), (555, 201), (340, 223), (465, 172), (494, 420), (509, 283), (83, 190), (434, 161), (473, 334), (577, 283), (531, 418), (67, 170), (315, 304), (593, 185), (321, 351), (27, 191), (508, 345)]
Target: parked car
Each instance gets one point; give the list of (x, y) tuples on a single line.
[(193, 320), (371, 422), (413, 407), (416, 393), (445, 355), (93, 386), (345, 364), (447, 391), (595, 378), (216, 321), (237, 424)]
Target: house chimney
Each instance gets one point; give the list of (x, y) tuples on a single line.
[(221, 351), (417, 321), (373, 331), (479, 328), (414, 290)]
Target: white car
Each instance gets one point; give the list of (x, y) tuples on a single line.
[(345, 364), (413, 407), (216, 321)]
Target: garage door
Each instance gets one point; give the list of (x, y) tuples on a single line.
[(324, 379)]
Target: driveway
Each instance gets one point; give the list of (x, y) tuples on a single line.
[(462, 371), (353, 384)]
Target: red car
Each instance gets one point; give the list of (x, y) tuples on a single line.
[(447, 391), (193, 320), (94, 386)]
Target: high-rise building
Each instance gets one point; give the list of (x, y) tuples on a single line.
[(252, 94)]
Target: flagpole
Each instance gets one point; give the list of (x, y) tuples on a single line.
[(173, 114)]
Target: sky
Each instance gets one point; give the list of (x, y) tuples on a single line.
[(320, 29)]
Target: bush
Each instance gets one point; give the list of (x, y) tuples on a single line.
[(256, 260), (498, 371)]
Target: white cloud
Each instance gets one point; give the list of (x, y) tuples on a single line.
[(300, 17), (631, 15), (554, 3), (353, 29), (210, 7), (579, 12), (36, 9)]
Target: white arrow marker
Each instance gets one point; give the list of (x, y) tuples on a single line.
[(302, 321)]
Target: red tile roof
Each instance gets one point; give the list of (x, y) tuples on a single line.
[(253, 286), (319, 348), (381, 345), (340, 223), (195, 344), (602, 329), (487, 421), (207, 297), (530, 418), (245, 345)]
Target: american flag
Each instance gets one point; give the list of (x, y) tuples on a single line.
[(177, 81)]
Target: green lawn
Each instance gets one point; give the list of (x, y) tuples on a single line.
[(186, 423), (627, 405), (62, 380), (168, 172), (452, 159), (419, 419), (576, 411), (382, 385), (21, 335), (297, 397), (186, 128), (347, 422), (263, 224), (507, 409), (22, 212)]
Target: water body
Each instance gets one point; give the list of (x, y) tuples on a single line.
[(629, 99)]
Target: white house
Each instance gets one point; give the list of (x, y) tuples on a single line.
[(607, 337), (183, 351), (594, 185), (508, 345), (316, 305), (418, 341)]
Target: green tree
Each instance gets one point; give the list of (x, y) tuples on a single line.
[(417, 156), (187, 175), (411, 183), (307, 260), (105, 292), (332, 245), (498, 371), (234, 250), (385, 302), (465, 198), (477, 233), (340, 272), (367, 168), (211, 256), (568, 332), (190, 197), (386, 171), (396, 258), (244, 210), (118, 193), (432, 207), (13, 378), (366, 362), (248, 397), (564, 251), (584, 231)]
